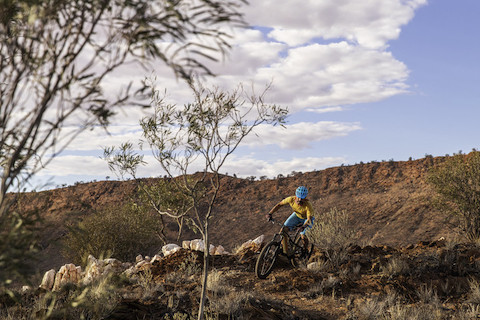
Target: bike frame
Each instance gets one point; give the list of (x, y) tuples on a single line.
[(285, 234)]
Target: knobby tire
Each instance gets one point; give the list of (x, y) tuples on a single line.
[(266, 259)]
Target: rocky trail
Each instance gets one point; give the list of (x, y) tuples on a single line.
[(437, 276), (406, 262)]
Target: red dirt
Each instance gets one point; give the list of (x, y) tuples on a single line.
[(390, 203)]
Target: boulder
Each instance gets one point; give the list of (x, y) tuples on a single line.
[(68, 273), (48, 280), (251, 245), (169, 249), (197, 245), (220, 250), (186, 245), (98, 268)]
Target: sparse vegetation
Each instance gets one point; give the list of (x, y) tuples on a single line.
[(205, 132), (435, 279), (121, 233), (395, 266), (457, 183), (95, 301), (332, 233), (57, 59)]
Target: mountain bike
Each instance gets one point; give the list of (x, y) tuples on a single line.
[(297, 254)]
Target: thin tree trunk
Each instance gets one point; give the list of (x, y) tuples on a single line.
[(206, 255)]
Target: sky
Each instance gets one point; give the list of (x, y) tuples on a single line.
[(363, 81)]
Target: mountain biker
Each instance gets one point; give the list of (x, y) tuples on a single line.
[(302, 214)]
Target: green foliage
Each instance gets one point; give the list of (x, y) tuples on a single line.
[(16, 247), (457, 183), (56, 59), (121, 233)]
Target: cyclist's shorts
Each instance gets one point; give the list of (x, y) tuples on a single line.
[(293, 221)]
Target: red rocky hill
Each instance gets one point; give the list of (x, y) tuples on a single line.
[(390, 203)]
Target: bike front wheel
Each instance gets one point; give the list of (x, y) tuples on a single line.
[(266, 259)]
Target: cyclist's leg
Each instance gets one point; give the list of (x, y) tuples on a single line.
[(304, 237), (291, 222)]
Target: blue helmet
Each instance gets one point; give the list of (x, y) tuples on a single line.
[(301, 192)]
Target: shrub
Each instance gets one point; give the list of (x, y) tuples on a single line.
[(225, 299), (396, 266), (457, 182), (121, 233), (332, 233)]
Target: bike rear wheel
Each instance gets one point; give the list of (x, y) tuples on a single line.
[(266, 259), (300, 255)]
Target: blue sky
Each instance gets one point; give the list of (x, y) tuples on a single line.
[(364, 81)]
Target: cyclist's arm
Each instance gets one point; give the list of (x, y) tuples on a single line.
[(277, 206), (307, 222)]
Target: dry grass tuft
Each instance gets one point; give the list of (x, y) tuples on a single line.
[(224, 299), (396, 266)]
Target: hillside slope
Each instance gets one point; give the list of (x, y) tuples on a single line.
[(388, 200)]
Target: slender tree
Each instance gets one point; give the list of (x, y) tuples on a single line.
[(56, 57), (192, 144)]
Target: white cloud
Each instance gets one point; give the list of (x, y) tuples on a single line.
[(249, 53), (76, 165), (325, 109), (295, 136), (299, 135), (249, 166), (316, 75), (371, 23), (98, 138), (319, 55), (242, 166), (336, 74)]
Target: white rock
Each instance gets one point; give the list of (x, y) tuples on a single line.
[(169, 249), (48, 280), (156, 258), (113, 262), (186, 245), (315, 266), (68, 273), (130, 271), (253, 245), (197, 245), (71, 267), (138, 258), (91, 259), (245, 245), (259, 240), (93, 271), (141, 264), (219, 250), (26, 288), (212, 249), (63, 270)]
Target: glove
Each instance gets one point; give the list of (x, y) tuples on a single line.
[(269, 217)]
